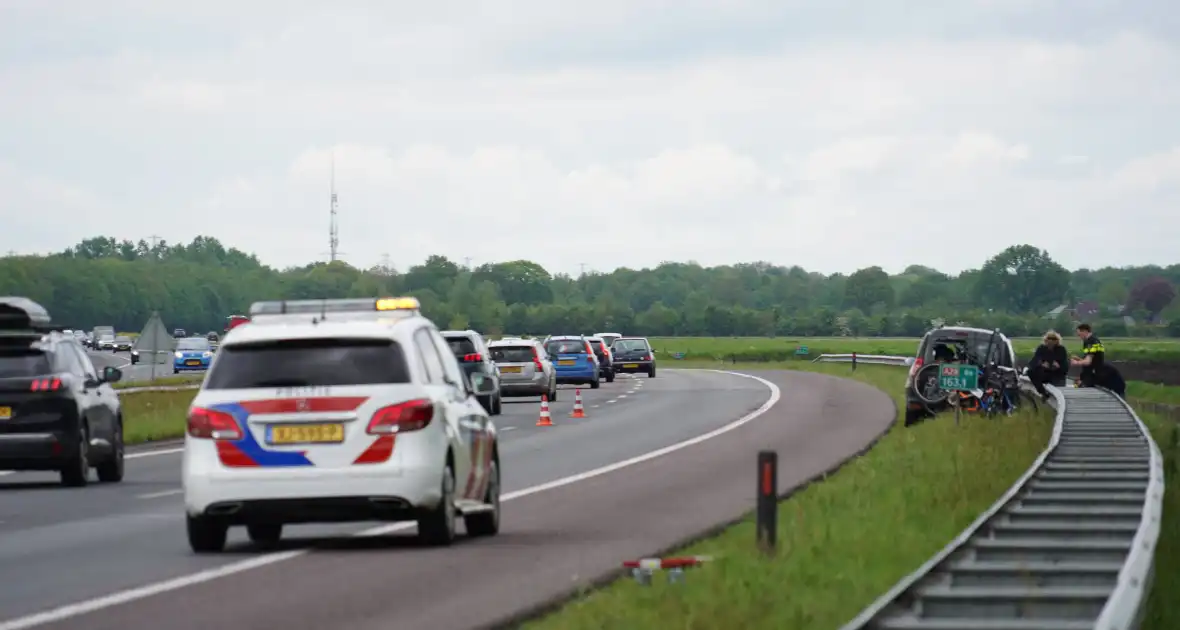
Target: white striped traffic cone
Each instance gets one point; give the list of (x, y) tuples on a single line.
[(545, 420), (579, 411)]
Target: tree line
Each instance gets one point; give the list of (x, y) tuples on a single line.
[(104, 281)]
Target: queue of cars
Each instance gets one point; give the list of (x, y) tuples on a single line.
[(317, 411)]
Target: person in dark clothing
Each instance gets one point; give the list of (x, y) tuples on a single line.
[(1049, 364), (1095, 370)]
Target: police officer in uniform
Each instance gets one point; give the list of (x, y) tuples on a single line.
[(1095, 370)]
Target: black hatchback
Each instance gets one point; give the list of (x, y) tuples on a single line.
[(633, 355)]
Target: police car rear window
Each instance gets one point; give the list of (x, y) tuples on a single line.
[(17, 363), (308, 362), (512, 354)]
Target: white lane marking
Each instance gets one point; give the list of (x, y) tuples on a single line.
[(622, 396), (122, 597), (151, 453), (595, 406), (157, 495), (613, 400), (508, 429)]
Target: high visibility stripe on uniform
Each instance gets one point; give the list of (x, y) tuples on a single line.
[(1094, 348)]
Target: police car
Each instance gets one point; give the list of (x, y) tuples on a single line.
[(335, 411)]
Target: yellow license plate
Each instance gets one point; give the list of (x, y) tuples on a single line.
[(5, 413), (566, 362), (629, 366), (192, 362), (306, 433), (510, 370)]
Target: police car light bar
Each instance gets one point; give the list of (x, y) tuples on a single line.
[(23, 314), (351, 305)]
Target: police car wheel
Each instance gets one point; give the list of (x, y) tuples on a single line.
[(437, 527), (205, 535), (77, 471), (265, 534), (487, 523)]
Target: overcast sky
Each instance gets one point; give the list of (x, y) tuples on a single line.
[(830, 134)]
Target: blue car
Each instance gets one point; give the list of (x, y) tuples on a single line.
[(192, 353), (574, 360)]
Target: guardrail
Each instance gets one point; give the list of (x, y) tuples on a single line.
[(867, 359), (1069, 547), (156, 388)]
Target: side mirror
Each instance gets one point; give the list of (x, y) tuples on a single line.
[(482, 384), (111, 374)]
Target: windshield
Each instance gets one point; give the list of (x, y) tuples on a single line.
[(27, 362), (629, 345), (192, 344), (512, 354), (461, 345), (107, 338), (122, 338), (308, 363), (568, 346)]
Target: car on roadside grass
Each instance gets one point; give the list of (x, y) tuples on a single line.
[(634, 355), (333, 411), (57, 413), (472, 353), (950, 344), (576, 361), (525, 368)]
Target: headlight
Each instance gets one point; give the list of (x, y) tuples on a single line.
[(207, 355), (179, 355), (135, 353)]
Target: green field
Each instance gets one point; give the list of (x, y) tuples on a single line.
[(153, 416), (784, 348), (844, 541)]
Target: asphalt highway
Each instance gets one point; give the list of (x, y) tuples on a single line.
[(138, 373), (116, 556)]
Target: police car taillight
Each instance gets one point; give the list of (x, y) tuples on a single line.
[(213, 425), (412, 415), (45, 385)]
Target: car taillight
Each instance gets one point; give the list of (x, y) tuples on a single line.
[(472, 358), (213, 425), (537, 360), (402, 417), (45, 385), (916, 366)]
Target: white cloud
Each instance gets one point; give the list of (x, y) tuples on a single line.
[(719, 132)]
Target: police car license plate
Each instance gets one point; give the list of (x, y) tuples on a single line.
[(5, 413), (192, 362), (515, 369), (305, 433), (629, 366), (567, 362)]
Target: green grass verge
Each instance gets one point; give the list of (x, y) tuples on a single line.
[(182, 379), (153, 416), (1163, 607), (783, 348), (843, 542), (1151, 392)]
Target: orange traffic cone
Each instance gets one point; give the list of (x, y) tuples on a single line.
[(579, 411), (544, 421)]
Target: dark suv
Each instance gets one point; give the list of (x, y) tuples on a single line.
[(633, 355), (473, 356), (606, 368), (56, 411), (950, 344)]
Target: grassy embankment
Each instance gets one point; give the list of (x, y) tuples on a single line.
[(843, 542), (783, 348)]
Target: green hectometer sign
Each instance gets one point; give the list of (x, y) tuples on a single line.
[(958, 377)]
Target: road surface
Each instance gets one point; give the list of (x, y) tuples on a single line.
[(62, 547)]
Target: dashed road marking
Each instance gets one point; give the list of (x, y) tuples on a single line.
[(157, 495)]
